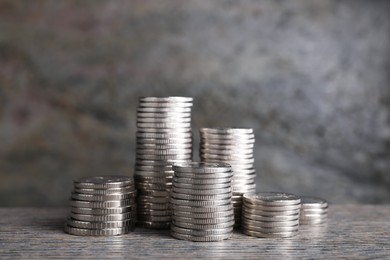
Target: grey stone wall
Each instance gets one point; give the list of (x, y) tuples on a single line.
[(311, 77)]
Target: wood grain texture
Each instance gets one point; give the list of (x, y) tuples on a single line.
[(353, 232)]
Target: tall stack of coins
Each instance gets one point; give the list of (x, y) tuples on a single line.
[(164, 137), (201, 202), (102, 206), (314, 211), (233, 146), (270, 214)]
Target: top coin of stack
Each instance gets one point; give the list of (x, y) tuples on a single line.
[(233, 146), (270, 214), (102, 206), (201, 202), (313, 211), (163, 137)]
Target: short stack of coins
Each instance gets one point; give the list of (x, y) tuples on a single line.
[(201, 202), (235, 147), (164, 136), (102, 206), (314, 211), (270, 215)]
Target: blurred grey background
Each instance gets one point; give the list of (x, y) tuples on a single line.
[(312, 77)]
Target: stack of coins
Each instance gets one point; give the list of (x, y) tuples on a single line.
[(164, 137), (314, 211), (102, 206), (270, 214), (233, 146), (201, 202)]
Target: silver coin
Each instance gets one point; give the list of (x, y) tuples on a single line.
[(199, 187), (160, 120), (164, 157), (313, 203), (203, 221), (103, 182), (236, 146), (163, 115), (174, 125), (204, 209), (108, 197), (210, 238), (164, 109), (232, 161), (201, 197), (165, 104), (214, 191), (97, 232), (259, 207), (201, 226), (166, 99), (95, 211), (204, 232), (154, 206), (313, 216), (194, 203), (272, 199), (230, 137), (110, 217), (164, 146), (154, 180), (100, 225), (269, 235), (164, 152), (269, 224), (269, 213), (226, 175), (154, 186), (153, 167), (152, 130), (179, 136), (101, 204), (312, 221), (272, 219), (202, 181), (186, 214), (225, 130), (153, 225), (157, 163), (244, 188), (198, 167), (129, 189), (314, 210)]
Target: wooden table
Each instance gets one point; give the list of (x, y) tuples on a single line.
[(351, 232)]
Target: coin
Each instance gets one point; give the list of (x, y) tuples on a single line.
[(205, 232), (107, 217), (218, 214), (101, 204), (100, 225), (272, 199), (270, 235), (195, 167), (201, 197), (203, 209), (202, 192), (123, 190), (209, 238), (97, 232), (103, 182), (90, 197), (202, 226), (166, 99), (97, 211)]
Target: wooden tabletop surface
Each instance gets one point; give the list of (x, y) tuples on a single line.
[(352, 232)]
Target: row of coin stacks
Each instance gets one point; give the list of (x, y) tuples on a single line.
[(164, 137)]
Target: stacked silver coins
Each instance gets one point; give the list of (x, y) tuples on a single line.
[(314, 211), (201, 202), (270, 214), (102, 206), (233, 146), (164, 136)]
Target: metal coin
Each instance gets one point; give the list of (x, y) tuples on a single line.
[(210, 238), (269, 235), (202, 227), (179, 136), (103, 182), (269, 213), (202, 181), (202, 192), (179, 146), (227, 147), (273, 219), (204, 209), (110, 217), (164, 152), (186, 214), (199, 187), (109, 197), (194, 203), (273, 208), (205, 232), (166, 99), (164, 109), (226, 175), (94, 211), (225, 130), (269, 230), (154, 213), (164, 157), (101, 204), (124, 190), (154, 206), (100, 225), (97, 232), (203, 221), (269, 224), (163, 115), (272, 199), (196, 167), (201, 197), (313, 203)]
